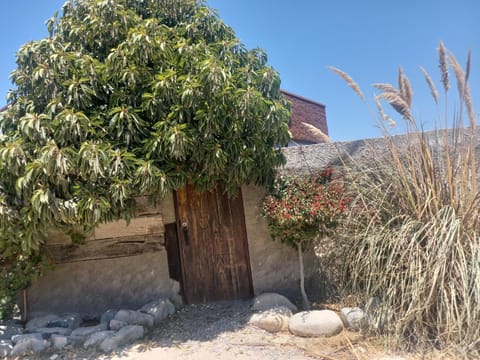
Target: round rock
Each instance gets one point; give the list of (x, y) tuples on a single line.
[(133, 318), (354, 318), (42, 322), (272, 320), (159, 309), (268, 301), (316, 323)]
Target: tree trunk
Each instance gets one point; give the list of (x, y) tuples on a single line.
[(306, 303)]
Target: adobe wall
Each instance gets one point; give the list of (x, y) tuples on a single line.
[(274, 265), (91, 287), (94, 286)]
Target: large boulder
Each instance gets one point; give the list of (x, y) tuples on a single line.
[(159, 309), (268, 301), (124, 336), (132, 317), (272, 320), (316, 323)]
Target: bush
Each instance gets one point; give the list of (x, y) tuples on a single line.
[(300, 209), (412, 232)]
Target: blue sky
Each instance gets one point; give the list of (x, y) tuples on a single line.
[(369, 39)]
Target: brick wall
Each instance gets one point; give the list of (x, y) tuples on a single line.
[(308, 111)]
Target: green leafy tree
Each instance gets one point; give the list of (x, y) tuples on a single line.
[(126, 98), (299, 209)]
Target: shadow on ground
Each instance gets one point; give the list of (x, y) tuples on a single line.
[(202, 322)]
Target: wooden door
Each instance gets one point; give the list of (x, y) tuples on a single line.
[(213, 246)]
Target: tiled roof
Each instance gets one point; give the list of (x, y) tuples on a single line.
[(306, 111)]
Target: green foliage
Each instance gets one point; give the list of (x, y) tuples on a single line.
[(301, 208), (131, 97), (16, 274)]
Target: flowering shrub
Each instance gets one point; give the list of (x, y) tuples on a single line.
[(300, 208)]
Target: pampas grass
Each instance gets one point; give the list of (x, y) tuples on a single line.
[(350, 82), (405, 88), (396, 101), (316, 133), (443, 65), (412, 234), (431, 85), (462, 85)]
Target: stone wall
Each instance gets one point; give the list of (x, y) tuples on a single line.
[(301, 159)]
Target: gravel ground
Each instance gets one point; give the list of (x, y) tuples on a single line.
[(221, 331), (208, 331), (218, 331)]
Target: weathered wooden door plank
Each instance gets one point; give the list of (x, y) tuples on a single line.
[(213, 246)]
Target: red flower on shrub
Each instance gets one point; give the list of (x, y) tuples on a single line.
[(300, 208)]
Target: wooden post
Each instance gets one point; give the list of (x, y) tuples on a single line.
[(25, 305)]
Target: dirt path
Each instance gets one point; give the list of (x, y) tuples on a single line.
[(214, 331)]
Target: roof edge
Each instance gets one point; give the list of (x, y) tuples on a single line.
[(302, 98)]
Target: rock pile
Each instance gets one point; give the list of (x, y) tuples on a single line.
[(274, 313), (116, 328)]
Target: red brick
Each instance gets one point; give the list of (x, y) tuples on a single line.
[(308, 111)]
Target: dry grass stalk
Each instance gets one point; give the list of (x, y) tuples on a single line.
[(459, 75), (443, 64), (387, 88), (431, 85), (463, 87), (383, 116), (317, 133), (395, 98), (350, 82), (469, 106), (404, 87), (398, 103), (467, 66)]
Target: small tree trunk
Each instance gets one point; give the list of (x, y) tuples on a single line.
[(306, 303)]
